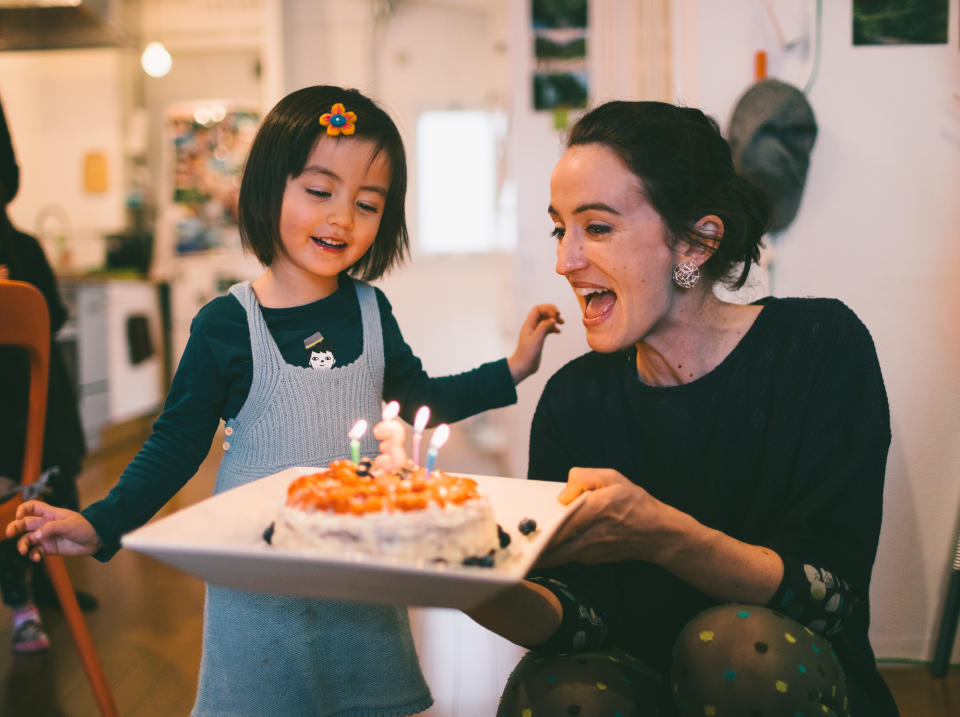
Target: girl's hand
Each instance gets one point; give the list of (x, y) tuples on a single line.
[(46, 529), (615, 520), (543, 319)]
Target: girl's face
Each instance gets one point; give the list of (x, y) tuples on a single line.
[(331, 212), (611, 247)]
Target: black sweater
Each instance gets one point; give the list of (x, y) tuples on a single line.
[(214, 377), (783, 445), (63, 441)]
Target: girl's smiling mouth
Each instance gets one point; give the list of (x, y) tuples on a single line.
[(328, 243)]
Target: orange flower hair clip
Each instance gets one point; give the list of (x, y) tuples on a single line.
[(338, 120)]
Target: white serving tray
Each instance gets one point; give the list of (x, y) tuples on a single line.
[(220, 540)]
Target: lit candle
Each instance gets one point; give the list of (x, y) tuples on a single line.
[(439, 437), (419, 423), (359, 428), (391, 411)]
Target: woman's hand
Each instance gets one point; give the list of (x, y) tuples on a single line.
[(618, 520), (543, 319), (615, 520), (45, 529)]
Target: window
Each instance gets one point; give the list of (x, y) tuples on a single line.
[(465, 204)]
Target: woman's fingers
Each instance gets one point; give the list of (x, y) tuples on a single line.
[(582, 480)]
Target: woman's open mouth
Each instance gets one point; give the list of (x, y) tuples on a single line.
[(597, 303)]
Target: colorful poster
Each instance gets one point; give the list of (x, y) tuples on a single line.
[(209, 148)]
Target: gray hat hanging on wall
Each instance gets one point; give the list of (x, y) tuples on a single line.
[(771, 134)]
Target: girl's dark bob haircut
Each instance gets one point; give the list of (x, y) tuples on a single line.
[(687, 173), (280, 151)]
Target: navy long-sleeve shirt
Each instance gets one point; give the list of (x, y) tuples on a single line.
[(214, 378)]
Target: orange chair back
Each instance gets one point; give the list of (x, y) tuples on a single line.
[(25, 322)]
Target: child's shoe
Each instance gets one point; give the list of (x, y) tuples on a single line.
[(28, 633)]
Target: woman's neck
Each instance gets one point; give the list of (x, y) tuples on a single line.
[(700, 333), (280, 290)]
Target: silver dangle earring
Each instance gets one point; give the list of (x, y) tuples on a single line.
[(686, 275)]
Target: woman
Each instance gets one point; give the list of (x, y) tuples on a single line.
[(22, 259), (729, 459)]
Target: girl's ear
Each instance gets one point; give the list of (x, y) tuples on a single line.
[(709, 231)]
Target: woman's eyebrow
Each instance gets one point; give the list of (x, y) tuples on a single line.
[(587, 207), (596, 206)]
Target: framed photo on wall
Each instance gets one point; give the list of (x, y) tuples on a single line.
[(560, 79), (900, 22)]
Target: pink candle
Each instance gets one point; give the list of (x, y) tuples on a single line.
[(419, 423)]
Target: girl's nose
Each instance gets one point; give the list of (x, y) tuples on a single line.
[(341, 215), (569, 256)]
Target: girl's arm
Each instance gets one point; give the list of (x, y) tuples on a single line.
[(178, 444), (542, 319), (458, 396)]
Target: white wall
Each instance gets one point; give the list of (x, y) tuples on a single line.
[(80, 109), (878, 229), (629, 50)]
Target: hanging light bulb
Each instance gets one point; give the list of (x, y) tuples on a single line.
[(155, 60)]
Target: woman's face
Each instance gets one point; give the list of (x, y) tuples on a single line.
[(331, 212), (611, 247)]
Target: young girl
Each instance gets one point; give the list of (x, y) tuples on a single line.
[(322, 207)]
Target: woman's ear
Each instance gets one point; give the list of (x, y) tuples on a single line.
[(709, 231)]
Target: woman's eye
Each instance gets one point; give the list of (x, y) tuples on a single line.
[(598, 229), (558, 232), (318, 193)]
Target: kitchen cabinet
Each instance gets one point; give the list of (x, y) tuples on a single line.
[(113, 343)]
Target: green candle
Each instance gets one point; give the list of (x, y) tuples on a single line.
[(359, 428)]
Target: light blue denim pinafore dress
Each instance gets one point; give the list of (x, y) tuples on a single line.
[(276, 656)]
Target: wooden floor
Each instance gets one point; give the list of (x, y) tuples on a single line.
[(147, 631)]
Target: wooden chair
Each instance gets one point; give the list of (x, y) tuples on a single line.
[(25, 322)]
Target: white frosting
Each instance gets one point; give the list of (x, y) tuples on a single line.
[(451, 533)]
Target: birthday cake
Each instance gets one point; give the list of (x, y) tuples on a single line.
[(405, 513)]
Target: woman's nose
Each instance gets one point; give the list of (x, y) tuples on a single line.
[(569, 256)]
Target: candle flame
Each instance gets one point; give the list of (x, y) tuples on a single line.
[(421, 419), (440, 436), (391, 411), (359, 428)]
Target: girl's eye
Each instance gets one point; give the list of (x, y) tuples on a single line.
[(558, 233), (598, 229), (368, 207), (322, 193)]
